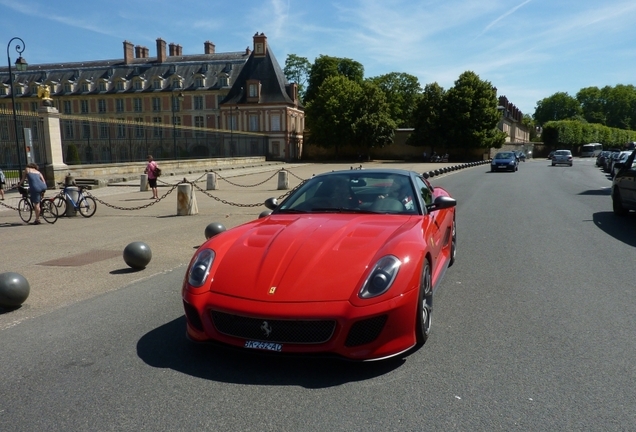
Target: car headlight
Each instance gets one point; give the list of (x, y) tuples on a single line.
[(492, 162), (200, 268), (512, 162), (381, 277)]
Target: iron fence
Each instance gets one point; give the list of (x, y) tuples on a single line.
[(29, 134), (101, 141)]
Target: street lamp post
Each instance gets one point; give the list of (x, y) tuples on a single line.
[(175, 100), (232, 129), (21, 66)]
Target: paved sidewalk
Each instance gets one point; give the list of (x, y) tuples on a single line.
[(79, 258)]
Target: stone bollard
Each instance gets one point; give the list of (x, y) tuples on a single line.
[(211, 181), (73, 193), (143, 183), (186, 200), (283, 180)]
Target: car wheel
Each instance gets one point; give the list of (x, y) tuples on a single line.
[(553, 164), (617, 205), (453, 251), (424, 307)]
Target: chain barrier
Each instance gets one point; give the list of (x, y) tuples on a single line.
[(133, 208), (195, 186)]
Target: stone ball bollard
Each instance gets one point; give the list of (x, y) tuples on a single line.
[(264, 213), (137, 255), (14, 290), (213, 229)]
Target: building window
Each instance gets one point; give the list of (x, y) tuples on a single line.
[(85, 87), (121, 128), (84, 106), (137, 105), (120, 86), (199, 123), (119, 105), (102, 86), (139, 129), (86, 130), (18, 89), (156, 84), (198, 82), (156, 104), (67, 107), (34, 106), (68, 129), (101, 105), (253, 89), (253, 122), (176, 83), (177, 122), (223, 81), (198, 102), (3, 91), (232, 122), (103, 130), (275, 122), (18, 107), (156, 130), (68, 88)]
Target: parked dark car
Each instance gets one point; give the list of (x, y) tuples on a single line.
[(624, 187), (619, 162), (551, 155), (600, 159), (607, 164), (521, 156)]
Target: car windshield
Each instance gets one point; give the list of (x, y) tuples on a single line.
[(504, 156), (357, 191), (563, 152)]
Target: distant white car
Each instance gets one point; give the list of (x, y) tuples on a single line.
[(562, 157)]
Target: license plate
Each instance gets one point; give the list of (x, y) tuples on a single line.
[(502, 166), (268, 346)]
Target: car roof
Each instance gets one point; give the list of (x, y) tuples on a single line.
[(391, 171)]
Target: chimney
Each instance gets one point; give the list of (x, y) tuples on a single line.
[(161, 50), (172, 50), (128, 52), (145, 52), (260, 45), (208, 47), (139, 51), (179, 50)]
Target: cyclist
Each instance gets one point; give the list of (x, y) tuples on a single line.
[(37, 185)]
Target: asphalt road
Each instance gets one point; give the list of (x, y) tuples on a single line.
[(533, 329)]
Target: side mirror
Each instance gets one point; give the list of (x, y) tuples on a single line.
[(441, 202), (271, 203)]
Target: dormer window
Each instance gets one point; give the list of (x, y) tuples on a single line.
[(3, 91), (120, 86), (68, 87), (34, 89), (18, 89), (103, 86), (157, 84), (176, 83), (253, 89), (198, 82), (138, 84), (224, 81), (86, 87)]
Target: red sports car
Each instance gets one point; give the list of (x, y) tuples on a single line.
[(346, 265)]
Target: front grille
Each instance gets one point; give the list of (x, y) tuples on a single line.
[(365, 331), (272, 330)]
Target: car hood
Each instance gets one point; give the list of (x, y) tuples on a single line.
[(291, 258)]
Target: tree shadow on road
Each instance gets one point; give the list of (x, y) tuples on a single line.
[(167, 347), (621, 228)]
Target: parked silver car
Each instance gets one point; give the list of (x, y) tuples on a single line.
[(562, 157)]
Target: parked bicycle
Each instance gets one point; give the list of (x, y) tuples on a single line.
[(48, 210), (84, 204)]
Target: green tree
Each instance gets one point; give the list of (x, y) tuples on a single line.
[(620, 103), (297, 70), (592, 105), (559, 106), (471, 115), (428, 127), (402, 94), (373, 125), (325, 67), (332, 112)]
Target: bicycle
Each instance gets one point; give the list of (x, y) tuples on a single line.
[(48, 210), (85, 204)]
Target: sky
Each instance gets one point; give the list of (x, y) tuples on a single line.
[(527, 49)]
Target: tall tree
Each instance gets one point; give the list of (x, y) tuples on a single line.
[(402, 93), (428, 118), (325, 67), (297, 70), (332, 111), (559, 106), (592, 105), (373, 126), (471, 115), (620, 103)]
